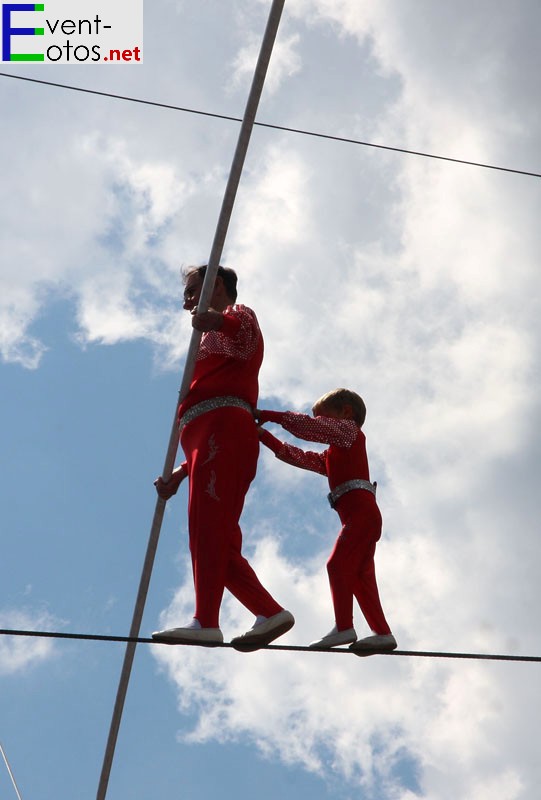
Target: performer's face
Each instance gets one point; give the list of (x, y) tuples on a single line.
[(192, 290)]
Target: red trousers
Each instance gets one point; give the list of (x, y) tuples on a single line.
[(221, 449), (351, 564)]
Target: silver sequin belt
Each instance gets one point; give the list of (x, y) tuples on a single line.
[(349, 486), (209, 405)]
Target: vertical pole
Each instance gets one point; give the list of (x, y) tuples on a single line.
[(204, 302)]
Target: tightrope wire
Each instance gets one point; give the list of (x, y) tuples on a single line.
[(284, 128), (285, 647)]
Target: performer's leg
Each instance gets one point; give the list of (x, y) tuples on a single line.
[(350, 566), (365, 587), (243, 583), (240, 578), (223, 459), (341, 568), (367, 595), (208, 548), (209, 513)]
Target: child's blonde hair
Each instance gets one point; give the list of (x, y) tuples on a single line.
[(339, 398)]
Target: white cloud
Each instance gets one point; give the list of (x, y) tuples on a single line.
[(415, 282), (424, 319), (16, 345), (103, 250), (19, 653), (285, 62), (353, 719)]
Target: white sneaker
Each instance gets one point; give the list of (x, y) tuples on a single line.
[(265, 632), (334, 638), (207, 637), (378, 643)]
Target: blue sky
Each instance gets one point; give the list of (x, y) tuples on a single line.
[(414, 282)]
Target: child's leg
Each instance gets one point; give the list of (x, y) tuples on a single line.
[(367, 595), (351, 565), (350, 550)]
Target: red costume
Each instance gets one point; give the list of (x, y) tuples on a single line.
[(222, 447), (351, 564)]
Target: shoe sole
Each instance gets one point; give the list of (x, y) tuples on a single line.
[(371, 651), (319, 646), (250, 642), (180, 640)]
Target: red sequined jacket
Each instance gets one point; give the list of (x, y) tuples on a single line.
[(345, 458), (228, 360)]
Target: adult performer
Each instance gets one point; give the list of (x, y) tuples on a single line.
[(220, 440)]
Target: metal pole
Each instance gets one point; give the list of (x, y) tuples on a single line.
[(204, 302), (10, 772)]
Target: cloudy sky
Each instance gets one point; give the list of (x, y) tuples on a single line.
[(413, 281)]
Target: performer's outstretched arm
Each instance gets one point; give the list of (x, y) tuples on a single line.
[(327, 430), (293, 455)]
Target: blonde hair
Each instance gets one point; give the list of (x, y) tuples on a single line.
[(339, 398)]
